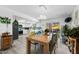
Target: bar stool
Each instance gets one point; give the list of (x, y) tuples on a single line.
[(53, 42), (40, 46), (35, 43)]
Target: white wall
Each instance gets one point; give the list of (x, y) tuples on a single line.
[(75, 21), (6, 13)]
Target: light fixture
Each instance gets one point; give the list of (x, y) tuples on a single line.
[(43, 6), (43, 10)]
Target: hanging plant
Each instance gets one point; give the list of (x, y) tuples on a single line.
[(2, 20), (5, 20)]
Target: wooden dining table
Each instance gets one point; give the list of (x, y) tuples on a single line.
[(44, 40)]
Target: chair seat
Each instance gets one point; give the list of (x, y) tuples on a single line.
[(35, 43)]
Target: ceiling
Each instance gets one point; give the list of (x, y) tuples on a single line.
[(43, 11), (51, 11)]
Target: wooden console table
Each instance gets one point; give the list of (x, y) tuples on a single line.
[(72, 43), (43, 40), (6, 41), (75, 45)]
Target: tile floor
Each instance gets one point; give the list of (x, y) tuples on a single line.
[(62, 48), (19, 47)]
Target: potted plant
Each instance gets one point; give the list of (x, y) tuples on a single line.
[(66, 30), (74, 33), (46, 31)]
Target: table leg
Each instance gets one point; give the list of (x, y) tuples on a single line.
[(46, 48), (28, 46)]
